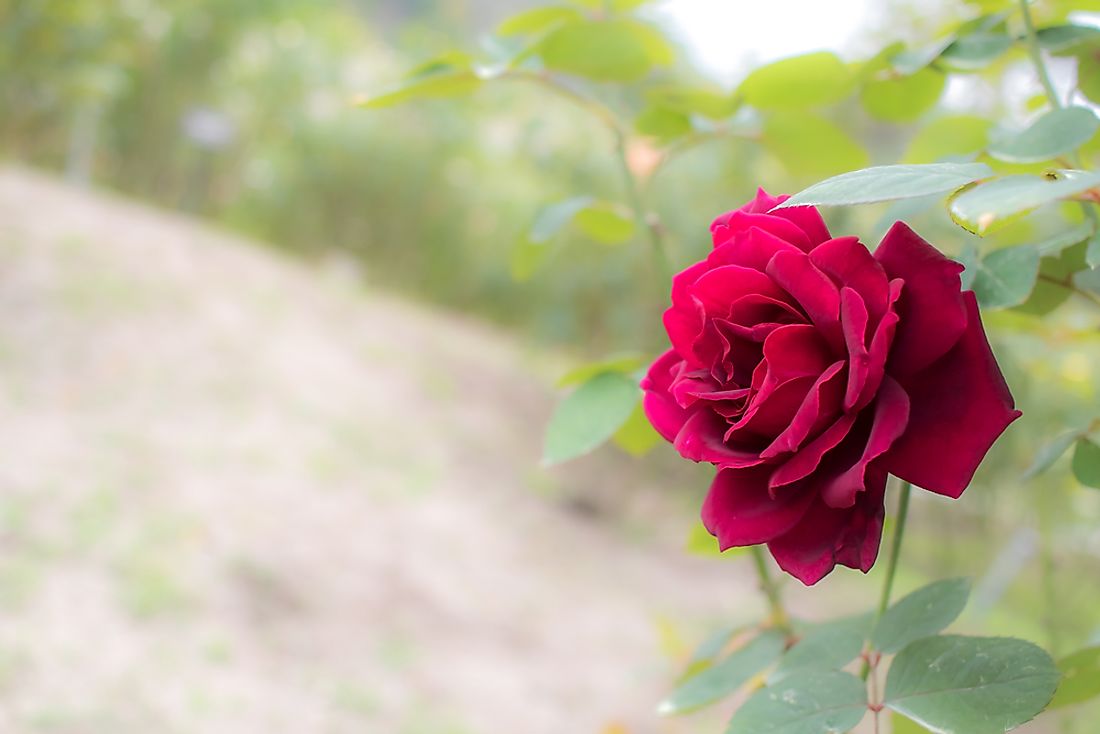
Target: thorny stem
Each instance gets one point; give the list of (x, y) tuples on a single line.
[(771, 591)]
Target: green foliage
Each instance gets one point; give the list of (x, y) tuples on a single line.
[(589, 415), (810, 145), (1080, 678), (636, 436), (978, 685), (809, 702), (611, 50), (602, 221), (924, 612), (903, 98), (537, 20), (981, 207), (1051, 452), (797, 83), (948, 136), (726, 676), (885, 183), (828, 646), (1056, 133), (1005, 278), (1086, 463)]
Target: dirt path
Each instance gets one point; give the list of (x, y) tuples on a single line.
[(239, 495)]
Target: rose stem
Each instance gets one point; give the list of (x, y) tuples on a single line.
[(771, 591), (891, 563), (634, 195)]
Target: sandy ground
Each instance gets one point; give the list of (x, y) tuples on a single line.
[(240, 494)]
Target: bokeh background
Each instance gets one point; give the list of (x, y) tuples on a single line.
[(272, 398)]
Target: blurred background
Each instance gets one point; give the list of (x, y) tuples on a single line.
[(272, 391)]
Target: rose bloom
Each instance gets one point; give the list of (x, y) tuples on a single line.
[(807, 369)]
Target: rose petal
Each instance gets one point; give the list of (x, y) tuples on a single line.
[(701, 439), (850, 264), (960, 406), (663, 412), (890, 417), (853, 321), (813, 290), (820, 405), (739, 511), (727, 227), (751, 248), (770, 412), (826, 536), (807, 460), (933, 316)]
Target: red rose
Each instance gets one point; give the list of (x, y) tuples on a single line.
[(807, 369)]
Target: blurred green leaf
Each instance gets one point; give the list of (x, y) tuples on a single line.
[(809, 145), (1005, 277), (979, 208), (724, 677), (901, 725), (605, 223), (975, 51), (885, 183), (662, 123), (1050, 453), (537, 20), (1056, 133), (913, 60), (614, 50), (1063, 256), (1088, 72), (1086, 463), (552, 219), (811, 80), (589, 416), (623, 364), (1067, 38), (812, 702), (1080, 678), (710, 103), (1092, 254), (904, 98), (709, 649), (946, 136), (829, 646), (977, 685), (433, 85), (636, 437), (924, 612)]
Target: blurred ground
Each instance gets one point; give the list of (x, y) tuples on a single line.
[(240, 495)]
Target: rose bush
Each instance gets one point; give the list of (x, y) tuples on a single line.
[(807, 370)]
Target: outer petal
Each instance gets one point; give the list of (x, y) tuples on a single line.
[(660, 407), (727, 227), (960, 405), (739, 511), (826, 536), (931, 308)]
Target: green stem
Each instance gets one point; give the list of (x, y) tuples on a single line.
[(641, 216), (1037, 56), (891, 562), (777, 611)]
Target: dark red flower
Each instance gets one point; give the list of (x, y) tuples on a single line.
[(807, 370)]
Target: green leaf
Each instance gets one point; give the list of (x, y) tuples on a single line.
[(662, 123), (1062, 39), (1063, 255), (726, 676), (589, 416), (809, 145), (553, 218), (903, 99), (451, 83), (1056, 133), (828, 646), (1088, 72), (975, 51), (1080, 678), (710, 103), (623, 364), (1086, 463), (537, 20), (709, 649), (979, 208), (947, 136), (701, 543), (800, 82), (1050, 453), (614, 50), (977, 685), (637, 436), (913, 60), (813, 702), (1006, 277), (901, 725), (1092, 255), (605, 223), (885, 183), (924, 612)]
